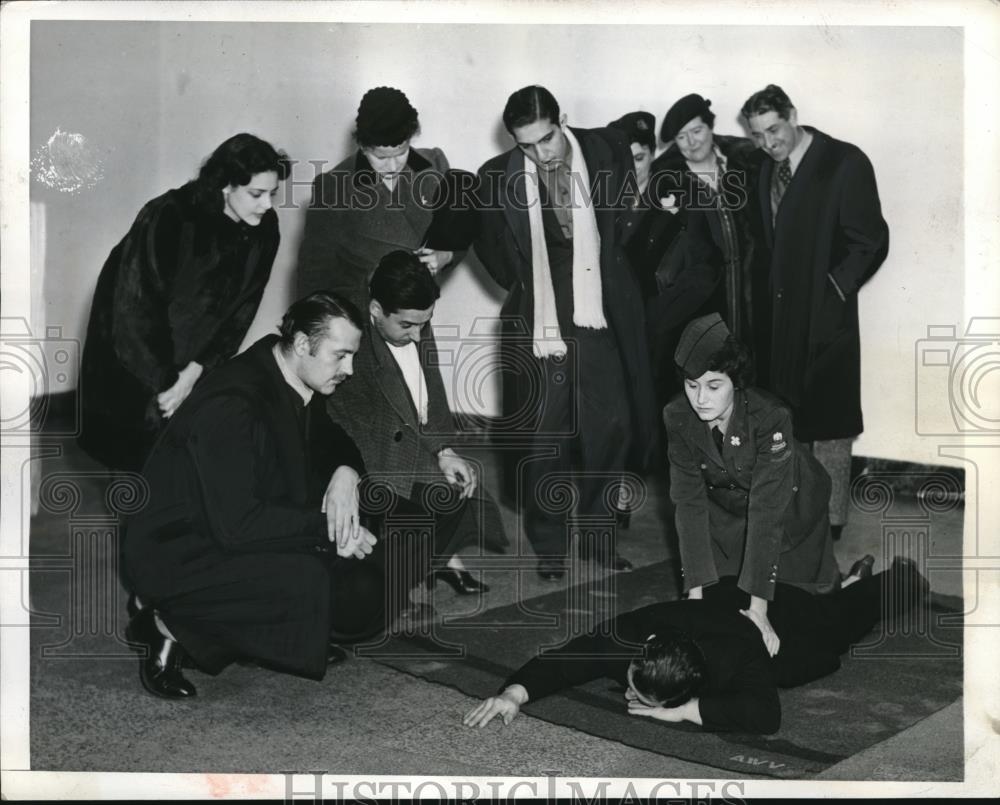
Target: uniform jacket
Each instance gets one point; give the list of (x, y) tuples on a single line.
[(758, 511), (739, 695), (354, 221), (376, 410), (234, 482), (829, 230), (183, 285), (504, 248)]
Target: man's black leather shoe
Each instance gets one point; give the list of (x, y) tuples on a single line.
[(551, 571), (160, 671), (335, 654)]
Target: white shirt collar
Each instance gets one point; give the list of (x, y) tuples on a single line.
[(291, 378)]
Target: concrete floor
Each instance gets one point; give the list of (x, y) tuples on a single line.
[(364, 718)]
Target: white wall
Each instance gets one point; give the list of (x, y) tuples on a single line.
[(158, 97)]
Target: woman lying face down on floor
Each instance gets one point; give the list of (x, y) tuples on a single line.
[(702, 661), (677, 661)]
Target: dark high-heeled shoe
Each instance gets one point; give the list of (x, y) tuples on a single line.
[(160, 670), (461, 581)]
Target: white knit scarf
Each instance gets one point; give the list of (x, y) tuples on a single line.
[(588, 299)]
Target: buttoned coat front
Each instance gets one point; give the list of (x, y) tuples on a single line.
[(759, 510), (377, 411)]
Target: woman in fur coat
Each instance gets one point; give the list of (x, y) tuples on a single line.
[(176, 297)]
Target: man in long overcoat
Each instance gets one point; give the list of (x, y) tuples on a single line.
[(825, 235), (575, 369), (249, 484)]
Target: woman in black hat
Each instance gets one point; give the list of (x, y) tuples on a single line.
[(751, 502), (703, 262), (387, 197), (176, 297), (384, 197)]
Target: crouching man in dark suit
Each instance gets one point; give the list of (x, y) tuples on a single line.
[(396, 410), (702, 661), (251, 545)]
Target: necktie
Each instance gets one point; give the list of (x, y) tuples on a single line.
[(782, 178), (717, 438)]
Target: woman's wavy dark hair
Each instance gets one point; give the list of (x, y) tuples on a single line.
[(733, 359), (672, 670), (236, 162)]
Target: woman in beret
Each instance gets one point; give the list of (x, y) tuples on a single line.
[(386, 197), (176, 297), (751, 502), (381, 199)]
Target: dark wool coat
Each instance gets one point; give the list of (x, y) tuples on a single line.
[(354, 221), (685, 247), (758, 511), (829, 230), (183, 285), (376, 410), (504, 248), (232, 546)]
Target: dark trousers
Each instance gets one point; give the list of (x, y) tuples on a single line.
[(417, 534), (281, 609), (583, 420), (815, 630)]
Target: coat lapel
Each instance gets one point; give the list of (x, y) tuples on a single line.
[(389, 378), (764, 200), (701, 436), (596, 155), (514, 203), (737, 438), (802, 179)]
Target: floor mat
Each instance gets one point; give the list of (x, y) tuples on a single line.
[(889, 682)]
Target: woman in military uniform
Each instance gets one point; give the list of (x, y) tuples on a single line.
[(751, 502)]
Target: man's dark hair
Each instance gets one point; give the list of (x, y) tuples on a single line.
[(529, 104), (770, 99), (402, 282), (236, 162), (732, 359), (672, 670), (311, 315)]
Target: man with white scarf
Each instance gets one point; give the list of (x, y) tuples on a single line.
[(576, 379)]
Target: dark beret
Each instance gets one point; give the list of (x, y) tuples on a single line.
[(639, 127), (683, 112), (699, 342), (385, 118)]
